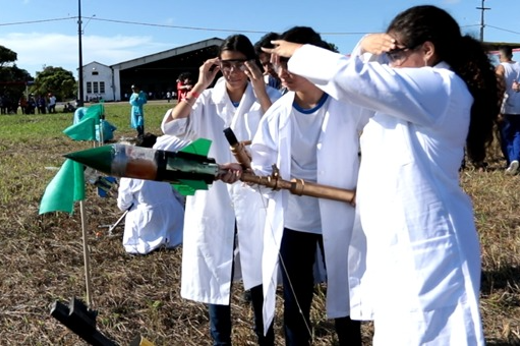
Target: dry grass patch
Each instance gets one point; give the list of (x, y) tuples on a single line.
[(42, 257)]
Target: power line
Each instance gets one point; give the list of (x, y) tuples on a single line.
[(207, 29), (175, 26), (502, 29), (169, 26), (38, 21)]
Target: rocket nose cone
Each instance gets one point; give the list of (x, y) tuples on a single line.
[(97, 158)]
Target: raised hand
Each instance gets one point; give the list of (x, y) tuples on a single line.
[(283, 48), (256, 78), (207, 72), (378, 43)]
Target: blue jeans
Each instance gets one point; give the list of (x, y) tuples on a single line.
[(220, 324), (220, 321), (510, 137), (297, 252)]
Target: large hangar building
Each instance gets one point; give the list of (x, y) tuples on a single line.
[(156, 73)]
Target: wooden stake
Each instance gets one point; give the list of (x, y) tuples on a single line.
[(86, 256)]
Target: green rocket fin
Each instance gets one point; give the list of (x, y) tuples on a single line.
[(188, 187), (200, 147)]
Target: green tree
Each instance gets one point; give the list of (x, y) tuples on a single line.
[(7, 56), (55, 80), (12, 79)]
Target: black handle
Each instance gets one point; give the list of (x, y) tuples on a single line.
[(230, 136)]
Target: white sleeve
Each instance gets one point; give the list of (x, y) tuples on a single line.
[(417, 95), (176, 127), (125, 196), (366, 57), (264, 147), (189, 127)]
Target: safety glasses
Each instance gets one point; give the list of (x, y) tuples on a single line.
[(227, 66), (399, 55)]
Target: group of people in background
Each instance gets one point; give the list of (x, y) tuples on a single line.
[(39, 104), (393, 122)]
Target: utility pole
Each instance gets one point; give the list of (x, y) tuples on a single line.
[(80, 51), (482, 25)]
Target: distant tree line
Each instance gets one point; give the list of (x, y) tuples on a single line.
[(14, 82)]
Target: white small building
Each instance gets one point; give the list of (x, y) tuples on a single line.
[(98, 82)]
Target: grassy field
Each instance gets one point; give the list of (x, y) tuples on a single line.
[(41, 257)]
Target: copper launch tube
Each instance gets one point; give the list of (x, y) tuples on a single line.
[(295, 186)]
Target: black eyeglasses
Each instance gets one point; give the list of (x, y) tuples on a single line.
[(399, 55)]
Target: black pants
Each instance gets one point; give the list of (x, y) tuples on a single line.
[(298, 251), (220, 318), (220, 321)]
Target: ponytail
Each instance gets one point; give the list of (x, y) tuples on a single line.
[(467, 58), (471, 63)]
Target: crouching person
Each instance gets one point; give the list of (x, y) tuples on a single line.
[(155, 216)]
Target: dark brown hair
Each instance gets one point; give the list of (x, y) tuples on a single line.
[(467, 58), (239, 43)]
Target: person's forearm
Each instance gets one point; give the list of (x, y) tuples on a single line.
[(264, 100), (183, 108)]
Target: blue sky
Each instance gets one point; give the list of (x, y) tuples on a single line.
[(343, 22)]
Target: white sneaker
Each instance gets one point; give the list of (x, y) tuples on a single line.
[(513, 167)]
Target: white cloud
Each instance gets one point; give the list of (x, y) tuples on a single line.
[(37, 49)]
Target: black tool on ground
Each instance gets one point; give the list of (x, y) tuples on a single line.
[(81, 320)]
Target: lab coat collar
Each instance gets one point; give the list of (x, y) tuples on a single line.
[(221, 97), (219, 93), (287, 100), (443, 64)]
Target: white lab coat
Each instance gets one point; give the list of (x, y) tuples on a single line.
[(338, 162), (210, 215), (418, 276), (155, 217)]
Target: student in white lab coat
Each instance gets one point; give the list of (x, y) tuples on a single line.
[(311, 136), (155, 217), (418, 274), (214, 218), (271, 78)]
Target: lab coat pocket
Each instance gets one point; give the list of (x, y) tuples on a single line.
[(438, 269)]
